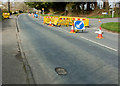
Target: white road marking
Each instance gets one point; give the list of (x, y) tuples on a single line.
[(95, 42), (99, 43)]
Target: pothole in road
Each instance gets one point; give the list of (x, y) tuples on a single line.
[(61, 71)]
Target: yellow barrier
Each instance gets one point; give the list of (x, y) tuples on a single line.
[(6, 15), (64, 20), (52, 18), (44, 19), (47, 20), (55, 22), (85, 20)]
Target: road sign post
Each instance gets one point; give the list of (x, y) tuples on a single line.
[(113, 13), (43, 10), (39, 11)]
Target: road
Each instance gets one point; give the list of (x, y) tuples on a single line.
[(87, 60)]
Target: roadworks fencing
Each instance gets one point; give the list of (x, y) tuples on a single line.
[(64, 20)]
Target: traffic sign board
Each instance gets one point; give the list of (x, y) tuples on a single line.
[(79, 25), (36, 15), (42, 8)]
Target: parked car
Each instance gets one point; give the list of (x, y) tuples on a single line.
[(6, 15)]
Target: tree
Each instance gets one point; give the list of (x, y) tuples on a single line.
[(88, 6), (106, 5), (48, 6)]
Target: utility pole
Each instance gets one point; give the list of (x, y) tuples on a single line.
[(9, 6)]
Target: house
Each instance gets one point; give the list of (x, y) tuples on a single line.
[(117, 4)]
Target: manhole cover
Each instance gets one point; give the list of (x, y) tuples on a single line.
[(61, 71)]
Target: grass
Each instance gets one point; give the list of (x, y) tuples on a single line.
[(104, 16), (112, 26), (48, 15), (45, 15)]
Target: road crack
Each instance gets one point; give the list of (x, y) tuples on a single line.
[(22, 57)]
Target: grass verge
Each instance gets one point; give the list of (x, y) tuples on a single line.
[(104, 16), (48, 15), (111, 26)]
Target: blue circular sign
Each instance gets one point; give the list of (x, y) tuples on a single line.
[(36, 15), (79, 24)]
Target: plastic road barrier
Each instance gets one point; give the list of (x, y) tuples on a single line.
[(44, 19), (85, 20), (6, 15), (47, 19), (62, 20), (65, 20)]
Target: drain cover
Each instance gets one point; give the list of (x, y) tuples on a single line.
[(61, 71)]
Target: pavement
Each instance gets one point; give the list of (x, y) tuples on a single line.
[(87, 60), (12, 65)]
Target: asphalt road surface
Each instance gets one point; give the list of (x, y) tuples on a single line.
[(86, 59)]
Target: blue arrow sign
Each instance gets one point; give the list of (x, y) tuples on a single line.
[(79, 24), (36, 15)]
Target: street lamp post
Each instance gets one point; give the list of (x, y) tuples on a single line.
[(9, 6)]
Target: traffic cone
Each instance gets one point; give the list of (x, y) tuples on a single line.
[(33, 16), (99, 20), (100, 34), (50, 23), (40, 16), (43, 22), (72, 29)]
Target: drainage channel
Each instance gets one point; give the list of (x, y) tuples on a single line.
[(26, 66)]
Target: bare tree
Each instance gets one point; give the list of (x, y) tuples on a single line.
[(106, 5)]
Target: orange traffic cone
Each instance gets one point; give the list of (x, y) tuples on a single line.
[(50, 23), (72, 29), (99, 20), (100, 34), (33, 16), (43, 22), (40, 16)]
